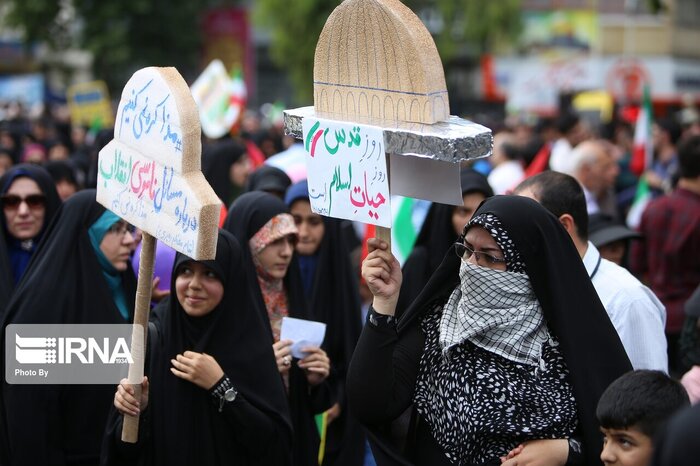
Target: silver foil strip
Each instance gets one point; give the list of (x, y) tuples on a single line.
[(453, 140)]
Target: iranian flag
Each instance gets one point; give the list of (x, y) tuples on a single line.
[(237, 96), (641, 160), (643, 151)]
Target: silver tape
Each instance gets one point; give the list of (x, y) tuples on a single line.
[(453, 140)]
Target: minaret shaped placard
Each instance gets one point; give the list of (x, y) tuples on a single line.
[(381, 125), (375, 59)]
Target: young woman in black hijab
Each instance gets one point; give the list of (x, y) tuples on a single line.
[(508, 345), (79, 275), (441, 227), (331, 289), (29, 201), (262, 222), (213, 394)]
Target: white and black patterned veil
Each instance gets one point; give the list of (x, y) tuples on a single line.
[(496, 310)]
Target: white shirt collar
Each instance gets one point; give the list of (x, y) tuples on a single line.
[(591, 259)]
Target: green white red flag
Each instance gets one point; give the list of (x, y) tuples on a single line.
[(642, 157), (643, 150)]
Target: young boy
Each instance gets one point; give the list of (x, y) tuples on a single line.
[(631, 410)]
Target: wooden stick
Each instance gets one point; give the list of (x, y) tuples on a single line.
[(130, 426), (384, 234)]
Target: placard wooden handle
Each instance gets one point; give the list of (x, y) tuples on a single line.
[(130, 426), (384, 234)]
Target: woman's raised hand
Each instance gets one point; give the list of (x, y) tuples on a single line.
[(382, 273), (126, 402)]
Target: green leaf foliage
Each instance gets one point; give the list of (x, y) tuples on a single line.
[(124, 35), (295, 27)]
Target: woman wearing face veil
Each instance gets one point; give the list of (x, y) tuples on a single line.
[(79, 275), (508, 344), (29, 201), (263, 223), (213, 395)]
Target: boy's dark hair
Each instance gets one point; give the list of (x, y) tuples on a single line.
[(689, 157), (642, 399), (560, 194)]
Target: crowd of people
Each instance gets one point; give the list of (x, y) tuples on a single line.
[(540, 322)]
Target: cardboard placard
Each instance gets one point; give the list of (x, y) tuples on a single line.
[(347, 171), (220, 99), (150, 173)]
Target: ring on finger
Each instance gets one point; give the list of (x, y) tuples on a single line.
[(286, 360)]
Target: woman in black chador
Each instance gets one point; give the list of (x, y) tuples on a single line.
[(213, 395), (262, 222), (508, 344), (29, 201), (79, 275)]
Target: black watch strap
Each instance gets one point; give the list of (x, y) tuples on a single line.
[(223, 392)]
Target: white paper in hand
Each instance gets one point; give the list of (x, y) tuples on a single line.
[(302, 333)]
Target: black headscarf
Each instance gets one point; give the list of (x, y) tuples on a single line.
[(186, 427), (47, 186), (64, 284), (335, 300), (103, 137), (435, 237), (216, 166), (248, 214), (591, 347), (270, 179)]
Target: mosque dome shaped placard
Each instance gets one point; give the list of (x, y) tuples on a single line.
[(376, 60)]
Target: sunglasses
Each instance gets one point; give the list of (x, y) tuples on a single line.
[(12, 201)]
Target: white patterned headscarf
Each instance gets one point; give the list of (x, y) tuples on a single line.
[(494, 227), (496, 310)]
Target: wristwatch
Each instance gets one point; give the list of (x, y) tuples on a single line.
[(228, 396)]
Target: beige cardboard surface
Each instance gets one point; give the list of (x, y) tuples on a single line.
[(376, 59), (149, 174)]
